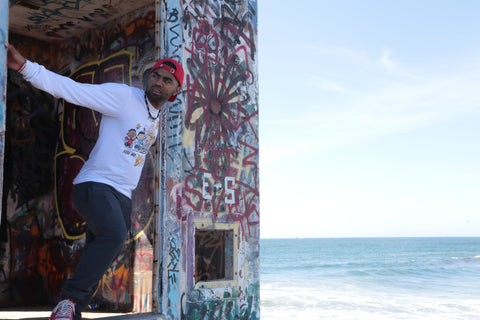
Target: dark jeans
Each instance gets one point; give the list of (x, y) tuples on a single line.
[(107, 214)]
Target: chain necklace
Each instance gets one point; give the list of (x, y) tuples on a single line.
[(148, 109)]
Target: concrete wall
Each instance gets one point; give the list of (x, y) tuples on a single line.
[(47, 142), (3, 93), (202, 249), (211, 176)]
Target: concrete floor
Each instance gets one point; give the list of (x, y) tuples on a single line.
[(43, 313)]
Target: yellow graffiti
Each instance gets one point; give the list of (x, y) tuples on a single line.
[(114, 283)]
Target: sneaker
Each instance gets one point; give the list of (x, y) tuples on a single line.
[(64, 310)]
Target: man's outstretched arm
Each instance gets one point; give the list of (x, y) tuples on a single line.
[(15, 60)]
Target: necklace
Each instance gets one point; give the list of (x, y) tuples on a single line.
[(148, 109)]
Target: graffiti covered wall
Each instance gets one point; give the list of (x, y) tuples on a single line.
[(211, 207), (47, 142), (3, 93), (54, 20), (208, 244)]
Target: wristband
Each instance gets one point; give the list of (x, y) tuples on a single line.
[(22, 66)]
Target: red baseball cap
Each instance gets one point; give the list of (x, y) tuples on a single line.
[(174, 68)]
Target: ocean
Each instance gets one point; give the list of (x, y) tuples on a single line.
[(370, 278)]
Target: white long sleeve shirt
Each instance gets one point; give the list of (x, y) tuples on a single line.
[(126, 130)]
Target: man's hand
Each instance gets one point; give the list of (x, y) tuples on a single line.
[(15, 60)]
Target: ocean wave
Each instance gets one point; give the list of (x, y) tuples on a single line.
[(465, 259), (368, 304), (374, 279)]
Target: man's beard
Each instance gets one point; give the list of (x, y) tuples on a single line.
[(157, 99)]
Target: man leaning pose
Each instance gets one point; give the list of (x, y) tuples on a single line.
[(102, 189)]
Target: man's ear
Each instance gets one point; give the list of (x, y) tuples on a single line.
[(178, 89)]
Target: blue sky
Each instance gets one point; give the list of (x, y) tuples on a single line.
[(369, 118)]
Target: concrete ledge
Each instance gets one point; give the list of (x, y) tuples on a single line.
[(137, 316), (43, 313)]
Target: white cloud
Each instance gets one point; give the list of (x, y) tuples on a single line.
[(387, 61)]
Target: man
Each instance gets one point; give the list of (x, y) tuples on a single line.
[(102, 190)]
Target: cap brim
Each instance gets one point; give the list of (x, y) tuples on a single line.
[(172, 98)]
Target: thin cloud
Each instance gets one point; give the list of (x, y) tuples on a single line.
[(338, 52), (348, 97), (329, 85), (393, 108), (387, 60)]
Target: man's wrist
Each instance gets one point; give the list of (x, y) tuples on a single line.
[(22, 66)]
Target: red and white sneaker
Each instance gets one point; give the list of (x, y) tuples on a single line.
[(64, 310)]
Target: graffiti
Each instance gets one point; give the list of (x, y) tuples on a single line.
[(174, 257), (79, 134), (209, 255), (114, 286), (175, 40), (30, 142), (225, 189), (214, 173), (43, 157), (173, 45), (3, 57), (143, 266), (53, 9), (144, 260), (173, 271), (37, 264), (236, 20), (56, 20), (220, 124), (4, 272), (3, 107), (229, 306), (80, 131), (210, 158), (136, 34)]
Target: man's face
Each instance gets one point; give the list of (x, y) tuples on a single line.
[(161, 86)]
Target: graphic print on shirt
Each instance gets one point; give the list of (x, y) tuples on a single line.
[(138, 141), (130, 138)]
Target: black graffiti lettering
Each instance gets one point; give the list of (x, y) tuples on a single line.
[(173, 16), (174, 254)]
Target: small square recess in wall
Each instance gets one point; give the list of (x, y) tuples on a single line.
[(214, 255)]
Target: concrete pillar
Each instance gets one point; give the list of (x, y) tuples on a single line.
[(3, 87), (209, 239)]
